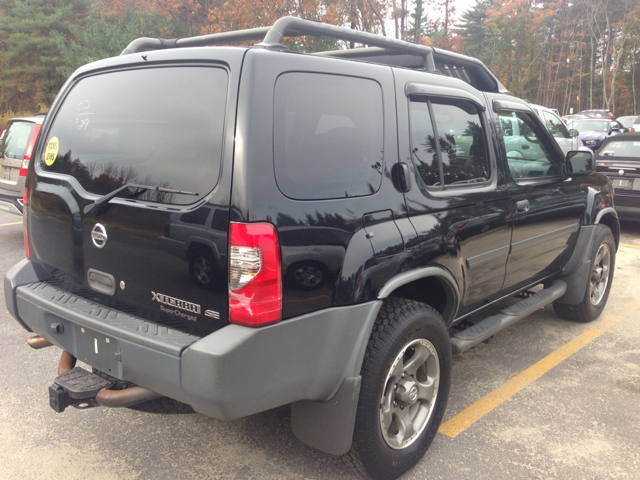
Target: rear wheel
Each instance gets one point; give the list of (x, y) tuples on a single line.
[(202, 267), (307, 276), (406, 375), (603, 261)]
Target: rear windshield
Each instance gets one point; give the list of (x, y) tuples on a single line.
[(590, 126), (15, 139), (155, 126), (621, 148)]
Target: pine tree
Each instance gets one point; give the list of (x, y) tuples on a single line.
[(33, 66), (472, 28)]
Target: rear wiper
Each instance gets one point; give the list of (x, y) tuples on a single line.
[(106, 198)]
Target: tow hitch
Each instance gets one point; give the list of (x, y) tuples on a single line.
[(79, 388)]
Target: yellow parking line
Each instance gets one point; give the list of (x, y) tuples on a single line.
[(629, 245), (476, 411), (5, 224)]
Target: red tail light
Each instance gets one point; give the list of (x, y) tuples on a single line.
[(25, 203), (29, 151), (167, 230), (255, 283)]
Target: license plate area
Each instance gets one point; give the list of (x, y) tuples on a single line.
[(5, 175), (622, 183), (98, 350)]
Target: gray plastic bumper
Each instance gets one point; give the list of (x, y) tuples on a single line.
[(233, 372)]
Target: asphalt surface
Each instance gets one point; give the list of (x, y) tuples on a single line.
[(579, 419)]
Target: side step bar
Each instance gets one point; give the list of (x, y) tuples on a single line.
[(472, 336)]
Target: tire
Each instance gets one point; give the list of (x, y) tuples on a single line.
[(408, 355), (202, 268), (307, 275), (603, 263)]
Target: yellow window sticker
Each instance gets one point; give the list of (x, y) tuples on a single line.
[(51, 152)]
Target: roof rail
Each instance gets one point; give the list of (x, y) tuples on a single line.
[(386, 50)]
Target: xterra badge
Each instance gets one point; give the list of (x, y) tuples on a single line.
[(176, 302)]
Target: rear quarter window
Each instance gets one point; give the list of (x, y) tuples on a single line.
[(328, 136), (155, 126)]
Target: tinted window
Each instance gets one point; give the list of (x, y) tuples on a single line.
[(460, 154), (527, 154), (555, 126), (621, 148), (327, 136), (15, 139), (423, 142), (155, 126)]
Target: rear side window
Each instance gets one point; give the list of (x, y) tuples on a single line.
[(328, 136), (155, 126), (448, 142), (15, 139)]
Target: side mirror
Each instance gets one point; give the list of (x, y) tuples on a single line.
[(579, 162), (573, 133)]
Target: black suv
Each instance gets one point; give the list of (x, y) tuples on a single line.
[(347, 208)]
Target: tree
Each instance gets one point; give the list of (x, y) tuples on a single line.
[(33, 66), (106, 33), (472, 29)]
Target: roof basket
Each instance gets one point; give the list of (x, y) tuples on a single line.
[(383, 50)]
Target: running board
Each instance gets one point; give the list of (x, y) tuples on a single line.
[(472, 336)]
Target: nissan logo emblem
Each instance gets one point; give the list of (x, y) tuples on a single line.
[(99, 235), (413, 394)]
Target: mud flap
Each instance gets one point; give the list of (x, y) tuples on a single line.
[(328, 426)]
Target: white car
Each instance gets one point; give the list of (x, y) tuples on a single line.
[(567, 139)]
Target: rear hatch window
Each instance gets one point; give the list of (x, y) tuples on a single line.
[(15, 139), (146, 126)]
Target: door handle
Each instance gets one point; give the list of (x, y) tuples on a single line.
[(522, 206), (525, 147)]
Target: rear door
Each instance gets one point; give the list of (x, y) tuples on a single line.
[(168, 125), (458, 202)]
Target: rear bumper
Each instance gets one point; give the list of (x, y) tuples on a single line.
[(233, 372), (628, 205), (10, 201)]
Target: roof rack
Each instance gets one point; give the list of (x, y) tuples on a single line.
[(386, 50)]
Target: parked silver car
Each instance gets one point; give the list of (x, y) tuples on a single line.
[(17, 139)]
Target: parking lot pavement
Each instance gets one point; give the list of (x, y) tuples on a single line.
[(548, 399)]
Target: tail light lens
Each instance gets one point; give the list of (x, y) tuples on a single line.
[(255, 281), (167, 230), (27, 154), (25, 203)]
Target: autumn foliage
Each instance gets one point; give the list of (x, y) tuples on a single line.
[(566, 54)]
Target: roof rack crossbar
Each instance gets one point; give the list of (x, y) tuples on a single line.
[(430, 59), (224, 38)]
